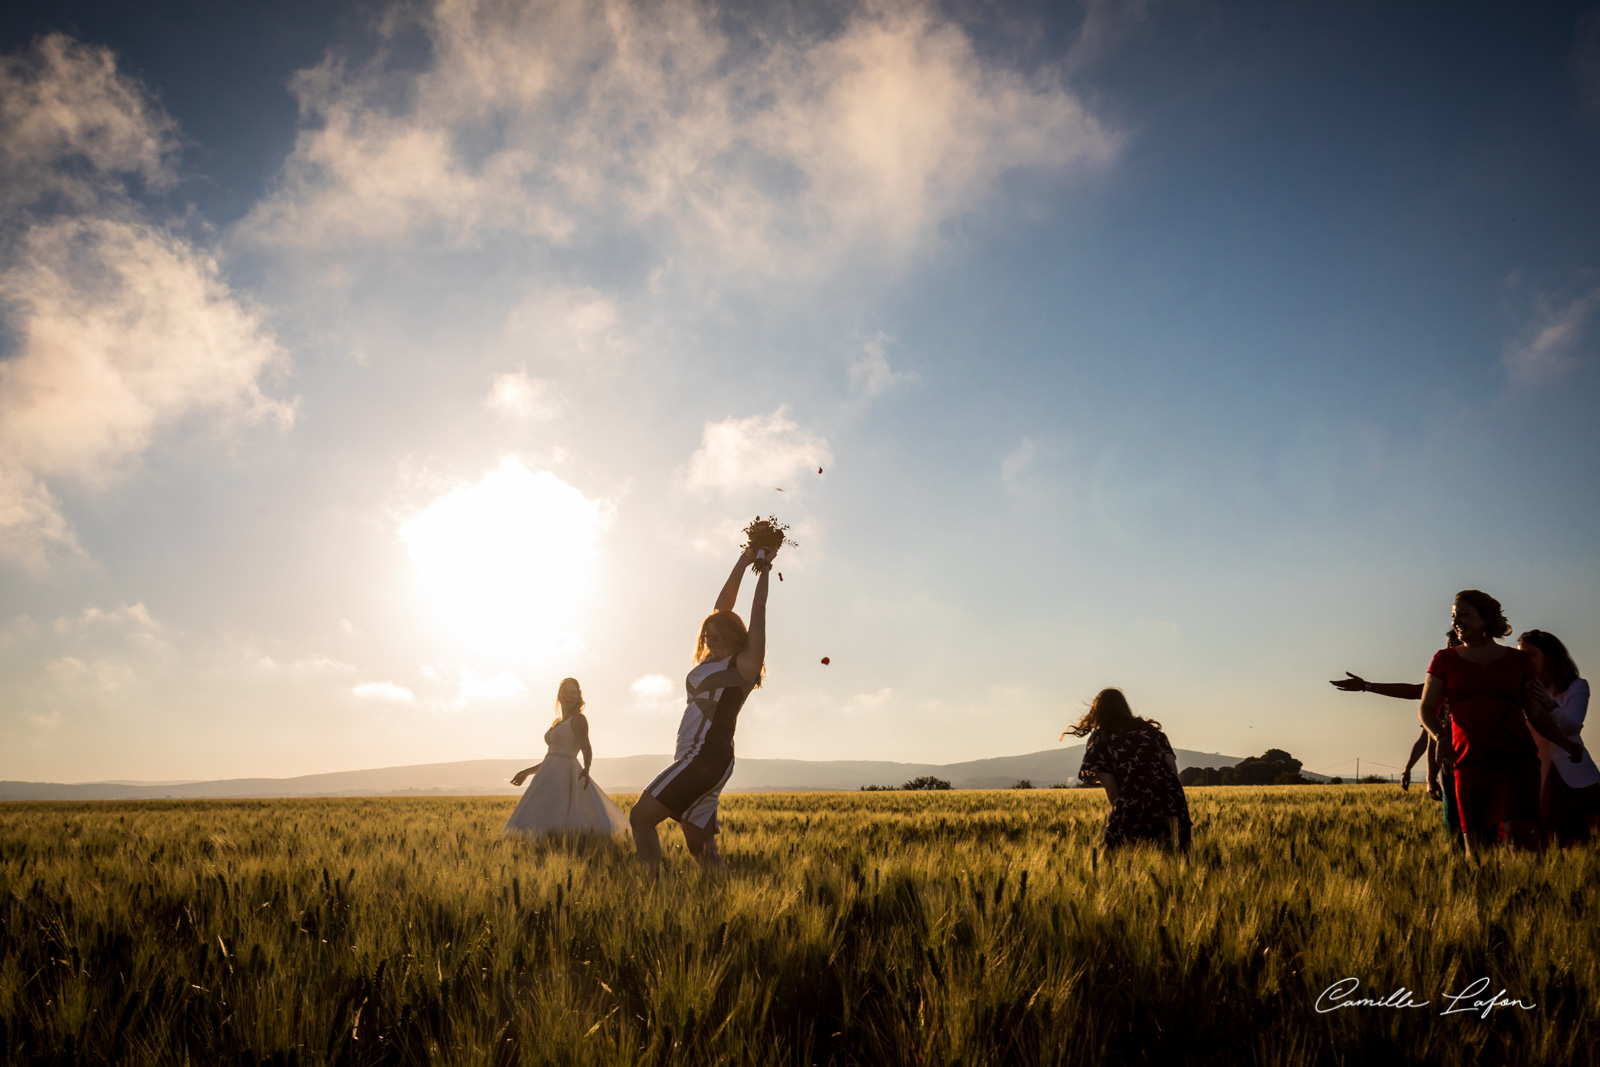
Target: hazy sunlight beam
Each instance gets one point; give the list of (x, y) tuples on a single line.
[(504, 564)]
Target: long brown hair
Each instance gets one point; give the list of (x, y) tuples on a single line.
[(732, 627), (1558, 665), (561, 707), (1110, 713)]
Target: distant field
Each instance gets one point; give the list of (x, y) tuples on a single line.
[(917, 928)]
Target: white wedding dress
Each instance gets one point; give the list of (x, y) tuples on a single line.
[(557, 801)]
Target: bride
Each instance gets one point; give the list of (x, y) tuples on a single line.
[(561, 798)]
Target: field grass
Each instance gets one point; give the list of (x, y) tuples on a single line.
[(881, 928)]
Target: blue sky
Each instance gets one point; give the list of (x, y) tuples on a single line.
[(368, 370)]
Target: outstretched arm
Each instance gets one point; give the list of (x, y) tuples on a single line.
[(730, 589), (1354, 683), (755, 650), (522, 776)]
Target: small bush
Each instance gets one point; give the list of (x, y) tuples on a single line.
[(1022, 783), (926, 781)]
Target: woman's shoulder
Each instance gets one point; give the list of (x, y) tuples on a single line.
[(1443, 660)]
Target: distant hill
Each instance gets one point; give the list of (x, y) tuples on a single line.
[(617, 774)]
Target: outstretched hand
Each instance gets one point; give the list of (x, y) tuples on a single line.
[(1350, 683)]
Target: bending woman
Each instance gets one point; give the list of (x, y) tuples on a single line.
[(1494, 696), (1130, 756), (728, 663)]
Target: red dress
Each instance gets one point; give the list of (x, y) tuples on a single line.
[(1497, 763)]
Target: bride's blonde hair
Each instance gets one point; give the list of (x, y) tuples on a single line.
[(577, 700)]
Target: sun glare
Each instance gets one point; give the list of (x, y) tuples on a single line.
[(504, 564)]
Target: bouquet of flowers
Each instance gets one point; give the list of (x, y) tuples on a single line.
[(766, 536)]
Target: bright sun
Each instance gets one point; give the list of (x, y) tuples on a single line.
[(505, 563)]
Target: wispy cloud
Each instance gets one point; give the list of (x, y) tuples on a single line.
[(122, 328), (870, 372), (777, 154), (517, 396), (760, 452), (1548, 350), (386, 692), (73, 127)]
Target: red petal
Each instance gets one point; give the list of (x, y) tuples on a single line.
[(824, 661)]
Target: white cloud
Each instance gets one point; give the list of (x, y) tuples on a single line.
[(760, 452), (122, 328), (870, 372), (517, 396), (778, 153), (473, 689), (70, 122), (653, 688), (1547, 352), (387, 692), (573, 325), (135, 615), (1019, 461), (316, 665), (871, 701)]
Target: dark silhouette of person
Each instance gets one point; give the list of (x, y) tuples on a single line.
[(1494, 695)]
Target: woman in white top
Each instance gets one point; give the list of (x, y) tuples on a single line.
[(561, 799), (1569, 799)]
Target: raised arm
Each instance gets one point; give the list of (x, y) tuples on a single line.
[(730, 589), (755, 650), (1354, 683)]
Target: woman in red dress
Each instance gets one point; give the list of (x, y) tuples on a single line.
[(1494, 695)]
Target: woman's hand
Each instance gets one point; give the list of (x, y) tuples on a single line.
[(522, 776), (1351, 683), (583, 776), (1575, 751)]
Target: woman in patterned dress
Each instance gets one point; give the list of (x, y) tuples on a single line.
[(1131, 758), (729, 663)]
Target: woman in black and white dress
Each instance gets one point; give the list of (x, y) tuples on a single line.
[(729, 660)]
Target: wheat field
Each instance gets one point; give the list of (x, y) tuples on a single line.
[(978, 927)]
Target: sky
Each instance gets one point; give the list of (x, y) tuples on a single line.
[(365, 369)]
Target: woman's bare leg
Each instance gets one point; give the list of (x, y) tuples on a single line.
[(703, 847), (647, 813)]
